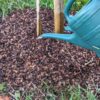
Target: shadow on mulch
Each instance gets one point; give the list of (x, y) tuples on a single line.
[(25, 61)]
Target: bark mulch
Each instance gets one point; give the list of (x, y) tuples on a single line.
[(25, 61)]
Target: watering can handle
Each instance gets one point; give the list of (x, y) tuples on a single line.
[(67, 9)]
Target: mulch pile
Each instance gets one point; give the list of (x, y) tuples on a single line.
[(24, 60)]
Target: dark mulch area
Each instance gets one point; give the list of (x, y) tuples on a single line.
[(25, 61)]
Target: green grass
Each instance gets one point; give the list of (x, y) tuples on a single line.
[(69, 93), (6, 6), (2, 87)]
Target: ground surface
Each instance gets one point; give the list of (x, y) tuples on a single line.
[(25, 61)]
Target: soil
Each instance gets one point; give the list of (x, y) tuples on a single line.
[(26, 61)]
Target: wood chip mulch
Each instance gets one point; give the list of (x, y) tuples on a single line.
[(25, 61)]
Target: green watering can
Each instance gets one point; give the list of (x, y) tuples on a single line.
[(85, 25)]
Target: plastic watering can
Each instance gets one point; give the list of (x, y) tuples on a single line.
[(85, 25)]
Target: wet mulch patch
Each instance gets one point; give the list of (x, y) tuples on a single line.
[(25, 61)]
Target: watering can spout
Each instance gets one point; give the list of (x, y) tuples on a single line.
[(72, 38), (65, 37)]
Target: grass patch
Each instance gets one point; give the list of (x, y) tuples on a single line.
[(3, 87), (49, 93), (6, 6)]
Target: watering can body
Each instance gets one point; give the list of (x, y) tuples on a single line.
[(85, 25)]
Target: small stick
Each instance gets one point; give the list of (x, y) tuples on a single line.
[(59, 16), (39, 24)]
